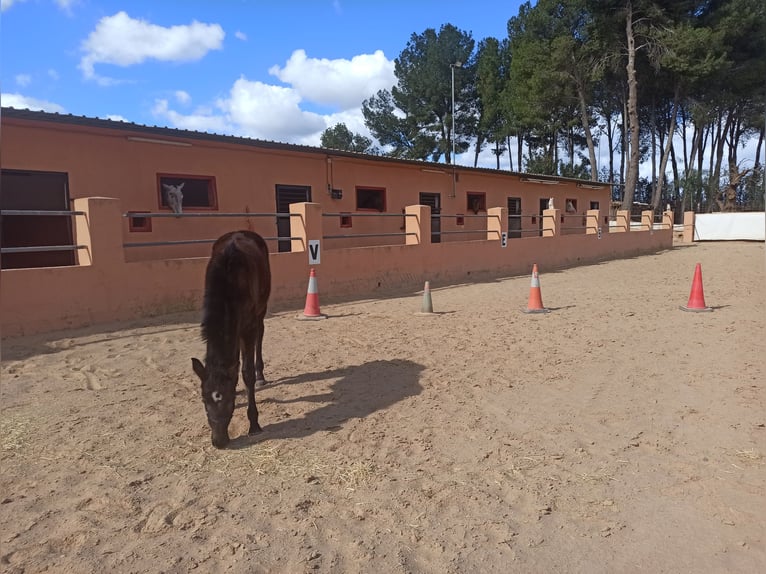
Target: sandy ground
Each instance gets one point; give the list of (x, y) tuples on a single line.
[(615, 434)]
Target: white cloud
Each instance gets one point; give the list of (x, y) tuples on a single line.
[(66, 5), (240, 36), (342, 83), (124, 41), (53, 74), (201, 120), (278, 113), (21, 102), (268, 112), (5, 4), (23, 80), (251, 109), (182, 97)]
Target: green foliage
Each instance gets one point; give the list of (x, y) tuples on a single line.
[(492, 75), (414, 118), (751, 192), (563, 75), (539, 162), (341, 138)]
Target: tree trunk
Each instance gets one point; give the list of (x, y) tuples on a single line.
[(696, 137), (510, 153), (571, 149), (683, 140), (736, 135), (676, 178), (586, 128), (654, 128), (657, 195), (715, 179), (623, 144), (479, 144), (610, 142), (631, 178)]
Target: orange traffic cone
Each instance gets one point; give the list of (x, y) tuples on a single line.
[(535, 304), (697, 296), (427, 308), (311, 310)]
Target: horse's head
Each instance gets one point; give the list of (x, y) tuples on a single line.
[(218, 393), (175, 196)]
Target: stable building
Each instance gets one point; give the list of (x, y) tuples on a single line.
[(49, 160)]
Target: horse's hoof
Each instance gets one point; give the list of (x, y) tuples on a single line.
[(255, 431), (261, 383)]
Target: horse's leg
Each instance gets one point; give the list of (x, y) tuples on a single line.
[(260, 380), (248, 375)]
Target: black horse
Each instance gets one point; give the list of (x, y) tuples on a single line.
[(237, 289)]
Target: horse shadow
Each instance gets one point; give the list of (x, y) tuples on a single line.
[(359, 391)]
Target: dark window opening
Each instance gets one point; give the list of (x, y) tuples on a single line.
[(345, 220), (285, 196), (476, 202), (434, 201), (370, 199), (35, 191), (594, 205), (514, 217), (199, 192), (139, 223), (571, 206)]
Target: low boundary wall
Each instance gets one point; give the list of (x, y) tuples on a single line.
[(749, 226), (103, 287)]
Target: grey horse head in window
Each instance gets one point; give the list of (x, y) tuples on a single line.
[(174, 196)]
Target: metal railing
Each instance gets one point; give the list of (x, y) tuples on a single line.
[(367, 235), (140, 215), (39, 248)]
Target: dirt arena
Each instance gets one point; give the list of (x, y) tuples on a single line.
[(615, 434)]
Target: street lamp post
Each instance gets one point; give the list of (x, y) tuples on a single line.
[(457, 64)]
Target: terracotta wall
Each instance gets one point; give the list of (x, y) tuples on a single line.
[(105, 287), (110, 162)]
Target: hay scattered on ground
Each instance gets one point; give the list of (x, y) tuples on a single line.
[(13, 430)]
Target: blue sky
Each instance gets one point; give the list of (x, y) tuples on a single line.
[(275, 70)]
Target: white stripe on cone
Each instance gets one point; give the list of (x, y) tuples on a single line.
[(312, 298)]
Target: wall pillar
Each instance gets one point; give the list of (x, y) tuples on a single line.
[(689, 226), (647, 220), (667, 220), (551, 222), (99, 230), (592, 218), (417, 225), (305, 224), (623, 221), (497, 223)]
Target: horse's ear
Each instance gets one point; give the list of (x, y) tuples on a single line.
[(199, 368), (181, 186), (166, 186)]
